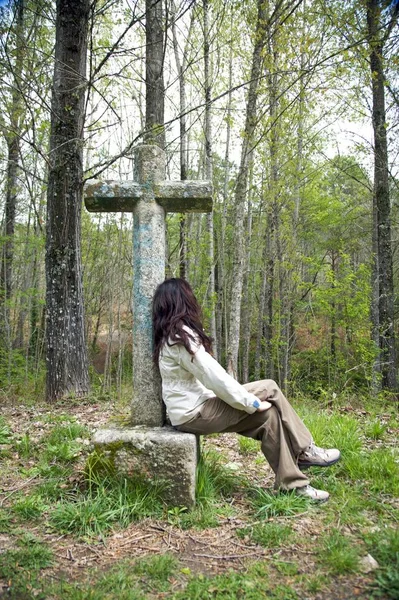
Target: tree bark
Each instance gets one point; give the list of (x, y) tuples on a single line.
[(12, 135), (246, 312), (241, 189), (67, 365), (221, 324), (155, 89), (181, 69), (209, 175), (382, 200)]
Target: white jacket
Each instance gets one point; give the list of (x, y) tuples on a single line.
[(188, 381)]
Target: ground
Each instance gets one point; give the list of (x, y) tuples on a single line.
[(238, 544)]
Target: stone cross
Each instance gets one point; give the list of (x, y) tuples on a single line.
[(148, 197)]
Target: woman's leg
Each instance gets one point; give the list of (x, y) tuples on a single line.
[(299, 435), (217, 416)]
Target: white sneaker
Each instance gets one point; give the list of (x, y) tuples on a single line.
[(318, 457), (310, 492)]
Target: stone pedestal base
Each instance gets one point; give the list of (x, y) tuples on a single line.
[(160, 453)]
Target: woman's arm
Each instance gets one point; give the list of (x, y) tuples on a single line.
[(212, 375)]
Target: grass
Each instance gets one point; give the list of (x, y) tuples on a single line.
[(377, 469), (248, 446), (214, 486), (375, 430), (269, 505), (316, 582), (253, 584), (213, 479), (229, 586), (30, 507), (338, 553), (5, 521), (268, 535), (157, 570), (25, 446), (61, 433), (333, 430), (5, 432), (65, 500), (383, 545), (29, 556), (112, 502)]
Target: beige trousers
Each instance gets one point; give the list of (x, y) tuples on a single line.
[(280, 430)]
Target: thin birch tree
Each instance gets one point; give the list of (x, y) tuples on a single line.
[(241, 187)]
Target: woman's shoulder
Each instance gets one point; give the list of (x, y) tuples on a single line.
[(169, 350), (193, 338)]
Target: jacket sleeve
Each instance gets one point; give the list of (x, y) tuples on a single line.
[(212, 375)]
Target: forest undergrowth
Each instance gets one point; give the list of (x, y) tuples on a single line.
[(66, 534)]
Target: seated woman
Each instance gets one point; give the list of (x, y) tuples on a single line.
[(201, 397)]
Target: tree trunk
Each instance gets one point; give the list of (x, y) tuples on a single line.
[(181, 67), (381, 200), (155, 90), (209, 176), (13, 148), (374, 309), (247, 296), (221, 326), (67, 365), (295, 242), (269, 299), (8, 247), (333, 331), (241, 189), (273, 355)]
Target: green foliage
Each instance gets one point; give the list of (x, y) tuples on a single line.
[(248, 445), (383, 545), (61, 444), (349, 499), (25, 447), (5, 521), (30, 555), (110, 502), (213, 479), (269, 535), (157, 569), (316, 582), (62, 452), (333, 329), (30, 507), (377, 469), (254, 584), (20, 375), (214, 483), (375, 430), (333, 429), (67, 432), (338, 553), (103, 585), (5, 432), (51, 471), (55, 488), (280, 504)]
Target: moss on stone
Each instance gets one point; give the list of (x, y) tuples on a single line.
[(101, 462)]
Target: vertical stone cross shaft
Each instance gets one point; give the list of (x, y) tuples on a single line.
[(148, 197)]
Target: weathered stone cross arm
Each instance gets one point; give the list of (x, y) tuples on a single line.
[(173, 196)]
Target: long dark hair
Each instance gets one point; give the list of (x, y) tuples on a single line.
[(174, 306)]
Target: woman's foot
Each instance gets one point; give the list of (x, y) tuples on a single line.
[(310, 492), (314, 456)]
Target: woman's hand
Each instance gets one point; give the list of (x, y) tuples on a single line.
[(264, 405)]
